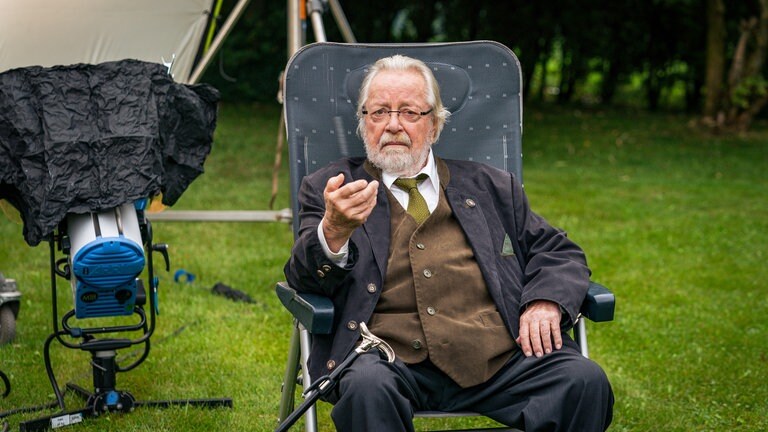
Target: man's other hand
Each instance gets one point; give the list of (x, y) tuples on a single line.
[(540, 328)]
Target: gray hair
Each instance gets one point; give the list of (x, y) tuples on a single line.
[(402, 63)]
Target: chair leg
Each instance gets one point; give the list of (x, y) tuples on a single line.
[(580, 335), (298, 354), (310, 417), (289, 379)]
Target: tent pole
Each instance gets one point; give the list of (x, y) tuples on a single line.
[(341, 21), (296, 15), (225, 29), (315, 8), (212, 27)]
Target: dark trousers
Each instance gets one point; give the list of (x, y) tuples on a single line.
[(562, 391)]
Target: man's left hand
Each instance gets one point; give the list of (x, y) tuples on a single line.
[(540, 328)]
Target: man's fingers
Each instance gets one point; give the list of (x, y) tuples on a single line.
[(348, 205), (546, 336), (536, 340), (525, 341), (557, 338), (334, 183), (362, 191)]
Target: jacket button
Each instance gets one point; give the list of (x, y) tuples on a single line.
[(416, 344), (420, 246), (427, 273), (371, 288), (320, 274), (326, 268), (331, 364), (470, 202), (431, 310), (352, 325)]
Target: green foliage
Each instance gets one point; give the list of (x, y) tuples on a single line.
[(672, 220), (594, 46), (749, 89)]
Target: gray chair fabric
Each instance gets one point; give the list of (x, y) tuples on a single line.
[(480, 84)]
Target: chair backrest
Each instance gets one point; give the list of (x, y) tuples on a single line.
[(480, 84)]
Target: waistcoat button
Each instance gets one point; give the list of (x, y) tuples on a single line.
[(427, 273), (371, 288), (416, 344), (331, 364), (420, 246), (352, 325), (431, 310), (470, 202)]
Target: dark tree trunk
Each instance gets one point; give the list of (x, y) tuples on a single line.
[(715, 57)]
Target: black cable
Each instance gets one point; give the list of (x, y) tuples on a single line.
[(49, 369), (7, 383), (28, 409), (221, 69)]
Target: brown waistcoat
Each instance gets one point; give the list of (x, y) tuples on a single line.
[(435, 304)]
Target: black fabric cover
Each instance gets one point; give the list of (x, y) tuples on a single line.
[(86, 138)]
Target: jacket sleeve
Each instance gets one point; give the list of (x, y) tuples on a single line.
[(555, 268), (308, 269)]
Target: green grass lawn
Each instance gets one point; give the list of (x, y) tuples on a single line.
[(674, 221)]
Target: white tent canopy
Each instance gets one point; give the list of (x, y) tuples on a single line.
[(55, 32), (64, 32)]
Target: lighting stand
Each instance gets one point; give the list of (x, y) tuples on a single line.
[(105, 398)]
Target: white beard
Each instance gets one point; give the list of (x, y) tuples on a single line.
[(397, 161)]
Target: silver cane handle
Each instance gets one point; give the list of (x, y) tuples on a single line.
[(372, 341)]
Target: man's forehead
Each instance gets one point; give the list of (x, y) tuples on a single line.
[(408, 84)]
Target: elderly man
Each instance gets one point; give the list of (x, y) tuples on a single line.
[(446, 262)]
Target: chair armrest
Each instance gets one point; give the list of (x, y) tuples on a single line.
[(313, 311), (599, 304)]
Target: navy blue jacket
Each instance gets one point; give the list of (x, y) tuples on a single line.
[(492, 209)]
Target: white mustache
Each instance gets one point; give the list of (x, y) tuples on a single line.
[(400, 137)]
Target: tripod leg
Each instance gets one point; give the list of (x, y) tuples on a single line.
[(55, 421), (83, 393)]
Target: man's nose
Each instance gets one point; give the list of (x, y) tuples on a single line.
[(394, 123)]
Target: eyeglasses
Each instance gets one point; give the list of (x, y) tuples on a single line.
[(383, 114)]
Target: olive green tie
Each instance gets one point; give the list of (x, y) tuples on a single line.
[(417, 206)]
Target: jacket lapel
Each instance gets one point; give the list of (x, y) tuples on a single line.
[(377, 227)]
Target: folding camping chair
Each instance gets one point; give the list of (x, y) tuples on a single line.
[(480, 84)]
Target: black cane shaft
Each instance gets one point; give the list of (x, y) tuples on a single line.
[(324, 387)]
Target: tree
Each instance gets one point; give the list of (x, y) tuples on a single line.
[(732, 105), (715, 57)]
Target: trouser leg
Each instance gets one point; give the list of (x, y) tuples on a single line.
[(373, 395), (562, 391)]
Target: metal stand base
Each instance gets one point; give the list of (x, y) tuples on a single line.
[(112, 401), (106, 398)]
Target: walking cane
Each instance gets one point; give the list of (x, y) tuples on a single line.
[(325, 384)]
